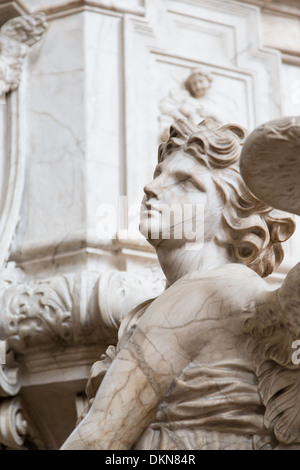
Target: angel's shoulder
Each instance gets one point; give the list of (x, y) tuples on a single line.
[(227, 282), (216, 293), (235, 271)]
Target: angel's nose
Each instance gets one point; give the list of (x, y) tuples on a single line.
[(152, 189)]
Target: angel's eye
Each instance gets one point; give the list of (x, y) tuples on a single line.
[(188, 183)]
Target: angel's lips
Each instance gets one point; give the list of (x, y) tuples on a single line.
[(148, 208)]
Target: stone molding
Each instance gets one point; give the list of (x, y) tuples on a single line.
[(283, 7), (52, 8), (74, 309)]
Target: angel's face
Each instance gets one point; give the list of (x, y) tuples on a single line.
[(181, 203)]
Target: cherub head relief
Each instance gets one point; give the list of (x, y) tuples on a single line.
[(198, 82), (198, 167)]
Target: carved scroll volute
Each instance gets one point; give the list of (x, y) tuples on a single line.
[(13, 427), (10, 378), (9, 381), (16, 37)]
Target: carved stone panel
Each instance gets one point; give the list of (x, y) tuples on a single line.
[(193, 100), (161, 50)]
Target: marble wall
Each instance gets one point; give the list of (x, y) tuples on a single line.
[(81, 130)]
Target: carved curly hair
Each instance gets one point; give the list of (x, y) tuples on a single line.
[(252, 231)]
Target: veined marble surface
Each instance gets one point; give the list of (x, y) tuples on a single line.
[(84, 124)]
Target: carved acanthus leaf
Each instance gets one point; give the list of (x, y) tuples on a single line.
[(43, 314), (16, 37), (37, 313), (119, 292)]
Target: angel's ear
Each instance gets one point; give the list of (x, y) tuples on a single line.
[(240, 132), (281, 229)]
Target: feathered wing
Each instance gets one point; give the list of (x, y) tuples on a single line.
[(272, 333), (279, 389)]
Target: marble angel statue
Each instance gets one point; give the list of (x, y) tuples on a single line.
[(208, 363)]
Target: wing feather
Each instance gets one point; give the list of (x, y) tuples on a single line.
[(272, 332)]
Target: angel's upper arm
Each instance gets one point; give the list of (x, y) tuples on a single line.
[(140, 375)]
